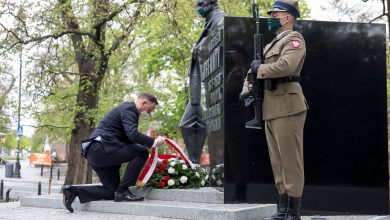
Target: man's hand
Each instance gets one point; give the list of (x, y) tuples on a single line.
[(159, 141), (255, 66)]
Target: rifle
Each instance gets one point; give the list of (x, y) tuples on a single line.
[(257, 89)]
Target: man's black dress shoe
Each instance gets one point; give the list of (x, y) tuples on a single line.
[(68, 197), (126, 196)]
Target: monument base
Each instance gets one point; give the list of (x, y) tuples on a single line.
[(203, 203)]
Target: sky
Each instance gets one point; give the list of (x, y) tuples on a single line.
[(317, 13)]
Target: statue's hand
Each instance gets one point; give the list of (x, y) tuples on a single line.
[(247, 94), (247, 97)]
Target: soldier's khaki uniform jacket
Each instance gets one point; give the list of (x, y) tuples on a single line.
[(284, 56)]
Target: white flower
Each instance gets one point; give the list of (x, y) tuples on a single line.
[(172, 163), (171, 159), (218, 182), (183, 179), (193, 167), (212, 176), (171, 170), (203, 182), (171, 182), (184, 167), (182, 161), (197, 174), (207, 176)]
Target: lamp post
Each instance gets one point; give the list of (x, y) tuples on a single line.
[(16, 173)]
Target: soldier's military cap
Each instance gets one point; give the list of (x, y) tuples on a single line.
[(290, 6)]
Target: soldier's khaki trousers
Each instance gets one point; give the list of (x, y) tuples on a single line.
[(285, 146)]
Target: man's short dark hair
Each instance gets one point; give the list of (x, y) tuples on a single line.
[(151, 98)]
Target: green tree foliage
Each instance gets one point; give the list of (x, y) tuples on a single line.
[(7, 81), (165, 41), (25, 142), (11, 142), (157, 55), (37, 142), (92, 30), (89, 56)]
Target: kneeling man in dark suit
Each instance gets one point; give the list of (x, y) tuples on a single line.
[(116, 140)]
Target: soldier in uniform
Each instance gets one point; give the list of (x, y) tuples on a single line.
[(284, 106)]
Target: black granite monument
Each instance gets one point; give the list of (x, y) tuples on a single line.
[(345, 139)]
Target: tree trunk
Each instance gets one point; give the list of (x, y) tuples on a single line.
[(92, 64), (84, 121), (87, 101), (78, 169)]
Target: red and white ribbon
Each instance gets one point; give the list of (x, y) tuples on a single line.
[(178, 149), (151, 164)]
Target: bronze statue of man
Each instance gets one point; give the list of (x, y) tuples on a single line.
[(192, 125)]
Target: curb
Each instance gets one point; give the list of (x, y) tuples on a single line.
[(158, 208), (380, 218), (21, 180)]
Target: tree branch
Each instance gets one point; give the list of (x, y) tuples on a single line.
[(47, 126), (68, 17), (383, 11), (10, 87), (69, 20), (7, 90), (42, 38), (376, 18), (113, 14), (126, 33)]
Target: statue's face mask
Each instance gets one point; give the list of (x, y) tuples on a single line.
[(203, 7)]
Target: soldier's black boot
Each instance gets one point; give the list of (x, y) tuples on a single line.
[(294, 207), (282, 208)]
